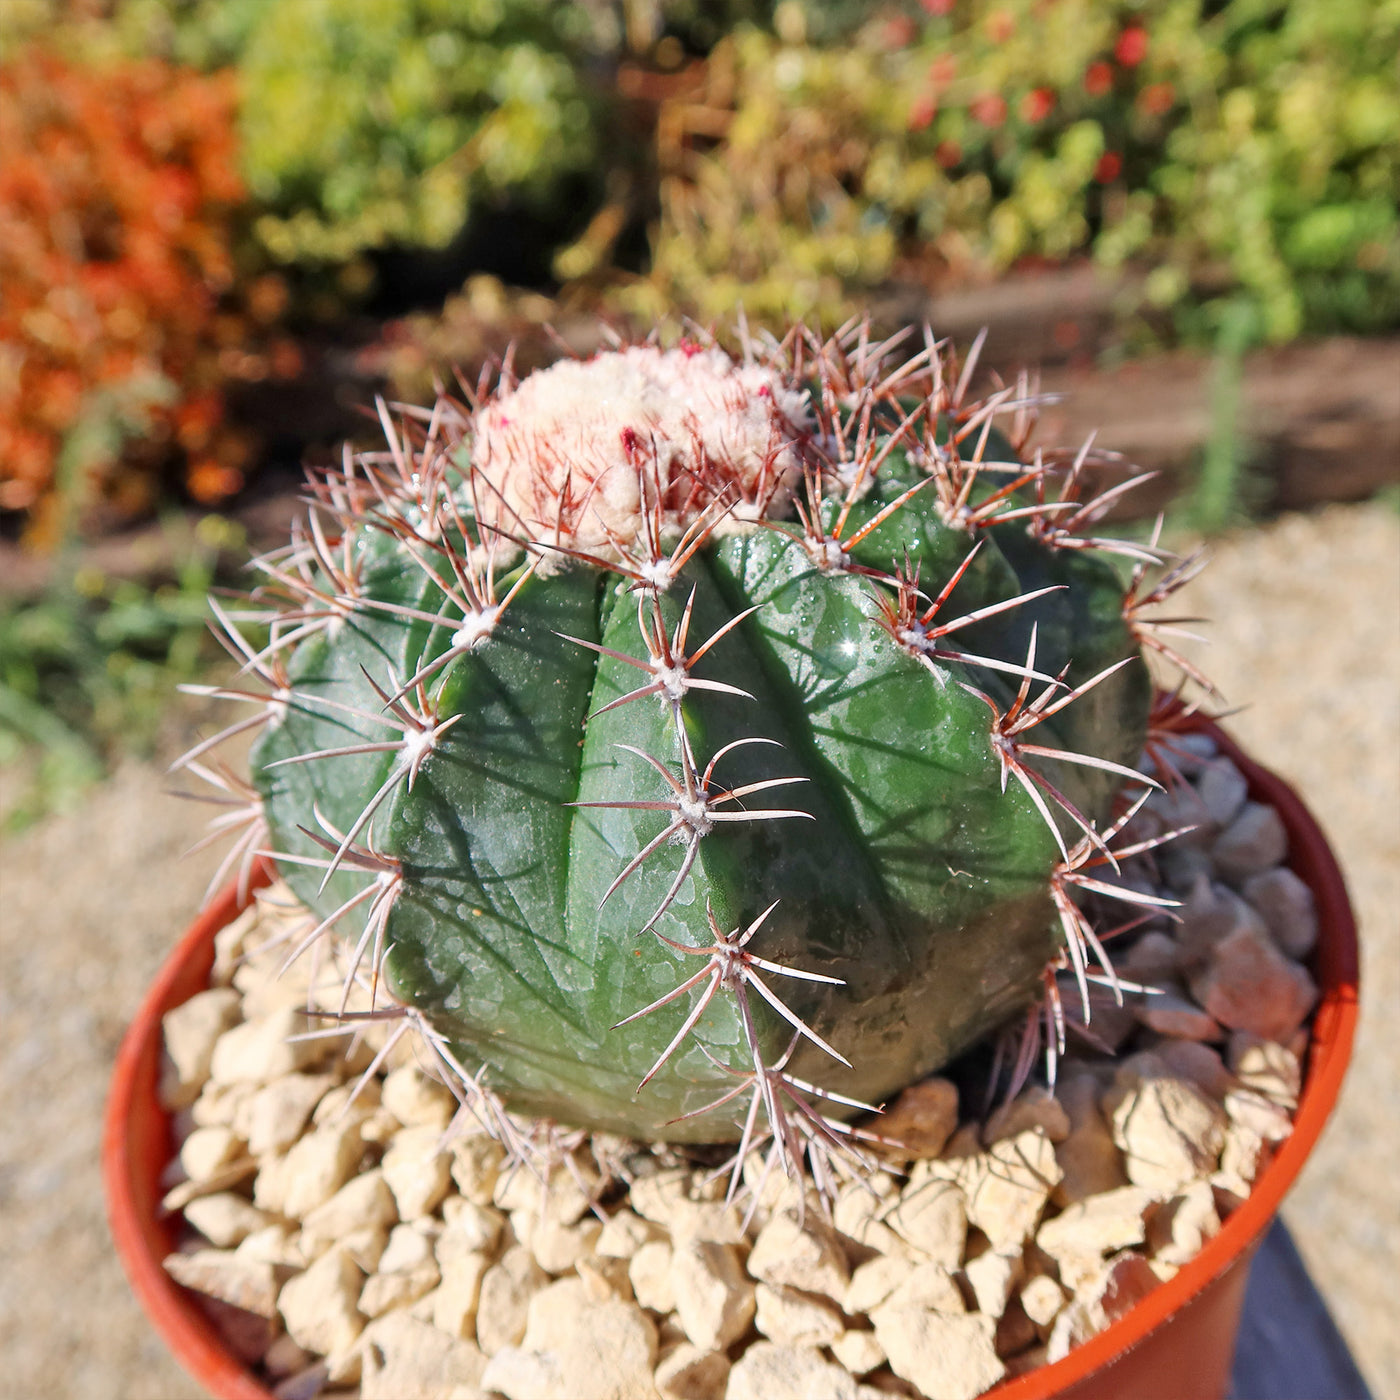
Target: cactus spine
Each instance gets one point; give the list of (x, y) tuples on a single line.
[(700, 746)]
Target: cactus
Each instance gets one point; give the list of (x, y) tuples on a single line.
[(696, 743)]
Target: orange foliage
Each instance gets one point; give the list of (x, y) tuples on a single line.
[(116, 183)]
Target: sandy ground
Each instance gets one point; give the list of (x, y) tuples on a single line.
[(1306, 632)]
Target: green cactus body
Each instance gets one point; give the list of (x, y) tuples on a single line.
[(816, 762)]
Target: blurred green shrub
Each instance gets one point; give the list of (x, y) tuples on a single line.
[(367, 123), (1241, 149), (87, 669)]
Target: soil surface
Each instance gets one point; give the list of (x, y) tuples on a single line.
[(1306, 634)]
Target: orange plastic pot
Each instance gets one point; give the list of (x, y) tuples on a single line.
[(1177, 1341)]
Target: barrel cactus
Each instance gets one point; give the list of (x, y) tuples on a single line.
[(695, 743)]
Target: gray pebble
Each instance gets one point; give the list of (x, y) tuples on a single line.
[(1286, 905), (1254, 842)]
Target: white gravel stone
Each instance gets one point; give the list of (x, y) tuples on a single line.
[(207, 1151), (1240, 1160), (406, 1359), (993, 1278), (625, 1233), (1007, 1187), (605, 1278), (873, 1281), (1099, 1225), (767, 1371), (1169, 1131), (1124, 1281), (476, 1166), (468, 1228), (219, 1105), (1259, 1114), (257, 1052), (408, 1247), (803, 1255), (565, 1197), (526, 1375), (714, 1298), (319, 1306), (190, 1032), (275, 1243), (1266, 1067), (504, 1301), (558, 1248), (649, 1271), (571, 1343), (225, 1219), (417, 1170), (931, 1216), (268, 987), (234, 1174), (791, 1318), (953, 1358), (666, 1200), (273, 1118), (455, 1301), (363, 1201), (385, 1291), (928, 1285), (365, 1246), (1182, 1225), (250, 1284), (418, 1100), (687, 1373), (858, 1351), (315, 1168), (359, 1099), (1042, 1298), (858, 1210)]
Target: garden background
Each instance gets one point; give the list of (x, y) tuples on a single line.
[(226, 225)]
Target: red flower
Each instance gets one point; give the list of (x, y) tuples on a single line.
[(1157, 99), (1037, 104), (1098, 79), (900, 32), (937, 8), (1109, 167), (1131, 47), (921, 113), (948, 154), (1000, 26), (989, 109), (943, 70)]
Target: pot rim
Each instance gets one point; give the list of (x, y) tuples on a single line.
[(142, 1238)]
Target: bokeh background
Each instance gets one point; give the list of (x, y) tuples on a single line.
[(226, 225)]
